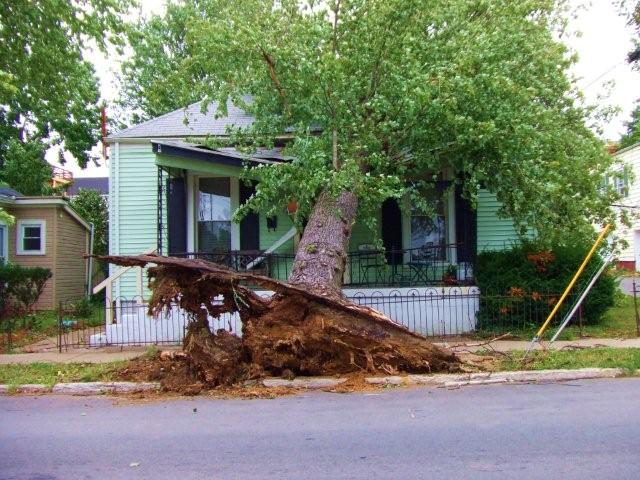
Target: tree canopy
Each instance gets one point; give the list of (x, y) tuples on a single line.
[(93, 208), (380, 97), (48, 89), (151, 81), (632, 135)]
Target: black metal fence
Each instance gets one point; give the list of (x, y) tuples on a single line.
[(7, 327), (635, 290), (429, 265), (126, 322), (434, 312)]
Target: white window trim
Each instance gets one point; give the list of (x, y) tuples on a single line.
[(234, 193), (5, 241), (19, 237), (450, 226)]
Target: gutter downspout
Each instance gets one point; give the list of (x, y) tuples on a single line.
[(90, 272)]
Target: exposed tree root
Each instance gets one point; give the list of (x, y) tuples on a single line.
[(294, 332)]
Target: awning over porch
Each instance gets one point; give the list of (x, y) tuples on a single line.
[(222, 156)]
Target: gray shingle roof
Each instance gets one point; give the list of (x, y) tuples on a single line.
[(9, 192), (188, 122), (101, 184)]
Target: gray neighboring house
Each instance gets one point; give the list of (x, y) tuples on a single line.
[(100, 184)]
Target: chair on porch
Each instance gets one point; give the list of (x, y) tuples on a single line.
[(421, 261), (371, 265)]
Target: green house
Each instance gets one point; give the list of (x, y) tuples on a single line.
[(171, 194)]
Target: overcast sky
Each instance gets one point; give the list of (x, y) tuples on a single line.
[(602, 49)]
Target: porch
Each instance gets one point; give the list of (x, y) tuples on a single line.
[(366, 268), (199, 189)]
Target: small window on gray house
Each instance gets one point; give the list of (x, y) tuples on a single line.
[(214, 215)]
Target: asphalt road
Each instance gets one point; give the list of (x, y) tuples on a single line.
[(581, 430)]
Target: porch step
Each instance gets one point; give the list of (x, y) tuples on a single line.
[(138, 328)]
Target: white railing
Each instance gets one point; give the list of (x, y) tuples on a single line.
[(107, 284), (277, 244)]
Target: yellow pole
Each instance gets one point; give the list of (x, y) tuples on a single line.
[(573, 280)]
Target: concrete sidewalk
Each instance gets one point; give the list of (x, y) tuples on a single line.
[(77, 356), (509, 345), (104, 356)]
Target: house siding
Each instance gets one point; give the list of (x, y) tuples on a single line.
[(72, 243), (494, 232), (631, 157), (47, 300), (134, 219)]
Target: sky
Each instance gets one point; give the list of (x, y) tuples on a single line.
[(601, 69)]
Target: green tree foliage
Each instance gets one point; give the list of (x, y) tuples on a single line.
[(632, 135), (93, 208), (5, 217), (378, 97), (24, 167), (48, 90), (631, 10), (151, 81)]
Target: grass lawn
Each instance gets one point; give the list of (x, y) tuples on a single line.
[(626, 358), (618, 322), (52, 373)]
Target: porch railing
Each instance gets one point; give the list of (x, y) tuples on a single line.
[(367, 267)]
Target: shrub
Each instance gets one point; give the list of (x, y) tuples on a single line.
[(530, 273), (83, 308), (20, 287)]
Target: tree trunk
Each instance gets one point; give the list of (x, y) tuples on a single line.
[(299, 330), (322, 253)]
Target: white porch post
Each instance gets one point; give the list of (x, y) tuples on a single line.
[(191, 215)]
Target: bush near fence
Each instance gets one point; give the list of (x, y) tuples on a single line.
[(526, 281), (20, 288)]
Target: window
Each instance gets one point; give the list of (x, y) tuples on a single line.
[(620, 184), (31, 237), (429, 233), (214, 215), (620, 181), (4, 240)]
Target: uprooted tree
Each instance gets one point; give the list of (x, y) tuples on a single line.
[(376, 99), (296, 330)]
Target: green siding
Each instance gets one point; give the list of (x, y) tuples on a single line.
[(136, 203), (269, 237), (361, 235), (494, 233), (282, 267)]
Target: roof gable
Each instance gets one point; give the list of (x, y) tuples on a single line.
[(188, 122)]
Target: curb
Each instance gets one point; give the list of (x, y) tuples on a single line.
[(456, 380), (87, 388), (316, 383)]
